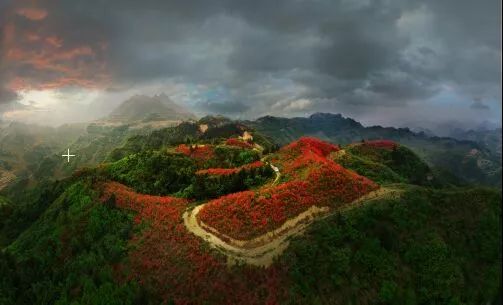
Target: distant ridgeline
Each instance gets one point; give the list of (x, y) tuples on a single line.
[(469, 161), (460, 161), (207, 130), (30, 154)]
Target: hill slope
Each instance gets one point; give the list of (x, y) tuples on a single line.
[(115, 234), (465, 159)]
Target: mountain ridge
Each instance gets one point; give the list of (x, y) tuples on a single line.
[(468, 159), (145, 108)]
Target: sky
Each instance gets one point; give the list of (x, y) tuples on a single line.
[(388, 62)]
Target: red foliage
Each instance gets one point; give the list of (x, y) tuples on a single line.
[(315, 180), (385, 144), (304, 153), (200, 152), (252, 165), (335, 185), (229, 171), (308, 144), (218, 171), (247, 214), (128, 199), (184, 149), (238, 143), (167, 259)]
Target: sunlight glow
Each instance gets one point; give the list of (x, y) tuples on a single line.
[(38, 98)]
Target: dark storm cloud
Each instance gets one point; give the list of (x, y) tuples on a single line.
[(7, 96), (224, 107), (339, 55), (355, 51), (478, 104)]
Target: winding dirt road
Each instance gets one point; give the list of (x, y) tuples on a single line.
[(276, 172), (262, 250), (259, 251)]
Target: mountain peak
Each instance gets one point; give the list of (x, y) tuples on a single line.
[(146, 108)]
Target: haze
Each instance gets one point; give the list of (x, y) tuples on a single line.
[(414, 63)]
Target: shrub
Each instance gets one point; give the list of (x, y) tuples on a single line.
[(198, 152), (238, 143), (214, 182), (158, 173)]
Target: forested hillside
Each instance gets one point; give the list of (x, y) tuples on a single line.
[(183, 216), (29, 154), (466, 159)]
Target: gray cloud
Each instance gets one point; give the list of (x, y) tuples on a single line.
[(284, 57), (478, 104), (7, 96), (224, 107)]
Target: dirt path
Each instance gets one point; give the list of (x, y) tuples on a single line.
[(259, 251), (262, 250), (276, 172)]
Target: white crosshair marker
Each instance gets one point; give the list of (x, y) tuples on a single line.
[(68, 155)]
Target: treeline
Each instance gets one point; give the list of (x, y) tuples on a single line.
[(68, 255), (23, 205), (394, 165), (428, 247), (166, 173), (154, 172), (227, 157), (171, 136), (212, 186), (187, 133)]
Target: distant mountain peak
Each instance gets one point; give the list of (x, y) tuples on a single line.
[(145, 108), (267, 118)]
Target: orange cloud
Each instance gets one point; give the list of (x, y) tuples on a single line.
[(75, 81), (9, 32), (17, 84), (31, 37), (75, 52), (54, 41), (59, 69), (34, 14), (43, 59), (34, 58)]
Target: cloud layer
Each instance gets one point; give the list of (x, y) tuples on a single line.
[(397, 58)]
